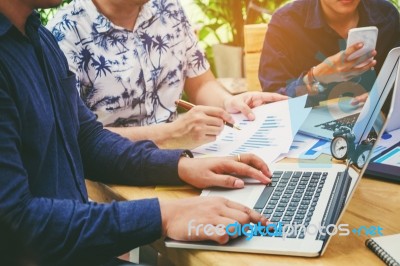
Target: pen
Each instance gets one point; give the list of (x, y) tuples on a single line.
[(187, 106)]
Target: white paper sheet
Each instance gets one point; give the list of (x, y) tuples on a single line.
[(269, 135)]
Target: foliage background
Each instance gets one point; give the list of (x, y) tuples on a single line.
[(46, 14), (218, 21), (209, 15)]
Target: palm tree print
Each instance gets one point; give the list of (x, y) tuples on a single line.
[(164, 11), (101, 66), (130, 77), (68, 24), (118, 40), (147, 41), (125, 97), (84, 58), (78, 11), (199, 60)]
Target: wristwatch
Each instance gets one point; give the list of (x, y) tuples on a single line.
[(313, 85), (187, 154)]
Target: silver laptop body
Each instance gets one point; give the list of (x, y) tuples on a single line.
[(333, 185)]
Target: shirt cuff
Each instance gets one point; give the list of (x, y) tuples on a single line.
[(162, 167), (291, 89)]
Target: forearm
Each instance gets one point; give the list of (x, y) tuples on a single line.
[(107, 157), (91, 232), (206, 90), (163, 135), (111, 159), (211, 93)]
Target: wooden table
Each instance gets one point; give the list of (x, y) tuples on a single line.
[(375, 203)]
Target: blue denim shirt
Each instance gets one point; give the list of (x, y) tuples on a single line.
[(49, 141), (298, 38)]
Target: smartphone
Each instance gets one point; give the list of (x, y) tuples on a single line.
[(366, 35)]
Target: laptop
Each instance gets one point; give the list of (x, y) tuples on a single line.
[(305, 201), (394, 123), (385, 161), (324, 120)]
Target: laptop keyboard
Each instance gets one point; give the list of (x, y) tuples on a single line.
[(347, 121), (291, 198)]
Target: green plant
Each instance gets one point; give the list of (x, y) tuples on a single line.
[(395, 3), (222, 21), (227, 17), (48, 13)]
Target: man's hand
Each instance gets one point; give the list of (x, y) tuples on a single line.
[(360, 99), (338, 67), (181, 219), (245, 101), (200, 125), (218, 171)]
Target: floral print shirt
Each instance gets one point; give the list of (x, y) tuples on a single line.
[(130, 78)]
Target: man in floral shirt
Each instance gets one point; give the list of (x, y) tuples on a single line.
[(133, 60)]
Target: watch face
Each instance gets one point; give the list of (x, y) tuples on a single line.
[(339, 148)]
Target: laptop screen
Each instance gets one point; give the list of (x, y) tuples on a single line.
[(371, 123), (369, 116)]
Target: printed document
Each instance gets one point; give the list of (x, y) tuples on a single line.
[(269, 135)]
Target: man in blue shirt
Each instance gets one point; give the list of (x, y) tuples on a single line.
[(50, 141), (302, 52)]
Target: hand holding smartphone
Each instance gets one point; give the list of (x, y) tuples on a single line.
[(366, 35)]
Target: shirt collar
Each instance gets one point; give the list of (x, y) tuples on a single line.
[(147, 11), (368, 13), (102, 24), (314, 15), (34, 20), (5, 24)]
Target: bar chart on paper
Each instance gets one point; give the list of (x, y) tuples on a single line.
[(269, 135), (216, 146), (262, 137)]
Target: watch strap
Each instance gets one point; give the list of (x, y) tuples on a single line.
[(313, 85), (187, 154)]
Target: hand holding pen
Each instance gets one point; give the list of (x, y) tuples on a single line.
[(199, 125), (187, 106)]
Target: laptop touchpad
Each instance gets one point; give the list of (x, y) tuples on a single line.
[(247, 196)]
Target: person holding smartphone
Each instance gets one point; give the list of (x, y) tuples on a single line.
[(305, 51)]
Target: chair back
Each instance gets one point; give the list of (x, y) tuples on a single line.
[(253, 42)]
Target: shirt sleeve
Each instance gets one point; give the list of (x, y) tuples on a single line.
[(66, 231), (110, 158), (275, 71), (197, 63)]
